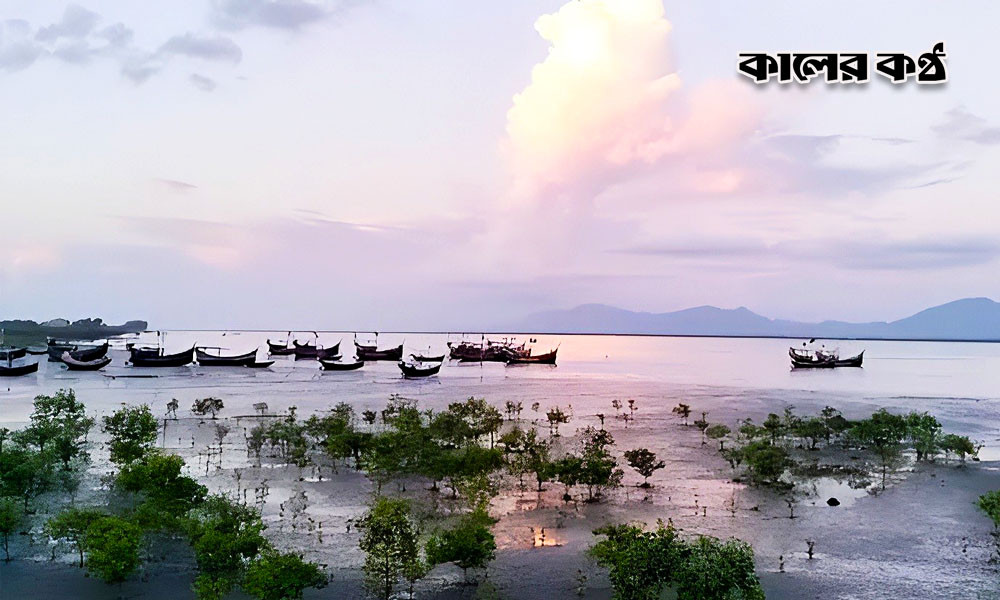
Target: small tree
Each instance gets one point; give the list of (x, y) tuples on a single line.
[(556, 417), (205, 406), (470, 544), (718, 432), (11, 517), (765, 462), (702, 425), (711, 568), (278, 576), (683, 411), (959, 445), (989, 503), (72, 525), (924, 432), (112, 548), (644, 462), (59, 423), (132, 433), (883, 434), (389, 543)]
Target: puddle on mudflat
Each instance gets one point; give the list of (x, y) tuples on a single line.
[(823, 488)]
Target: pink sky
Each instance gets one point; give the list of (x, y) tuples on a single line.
[(385, 165)]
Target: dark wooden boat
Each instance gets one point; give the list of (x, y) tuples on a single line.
[(56, 348), (336, 365), (279, 349), (9, 369), (372, 353), (13, 353), (418, 369), (85, 365), (548, 358), (313, 352), (261, 364), (813, 364), (465, 352), (89, 354), (854, 361), (145, 357), (37, 351), (217, 360), (426, 359)]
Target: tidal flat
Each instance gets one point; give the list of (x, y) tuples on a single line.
[(921, 537)]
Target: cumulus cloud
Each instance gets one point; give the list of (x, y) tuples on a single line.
[(607, 98), (17, 49)]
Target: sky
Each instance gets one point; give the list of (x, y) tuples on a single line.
[(454, 165)]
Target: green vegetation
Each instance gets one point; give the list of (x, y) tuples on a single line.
[(112, 547), (11, 517), (72, 526), (644, 462), (277, 576), (390, 545), (132, 430), (641, 564), (469, 544)]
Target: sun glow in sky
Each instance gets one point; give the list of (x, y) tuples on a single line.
[(456, 165)]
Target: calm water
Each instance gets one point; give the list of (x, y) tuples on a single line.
[(959, 382)]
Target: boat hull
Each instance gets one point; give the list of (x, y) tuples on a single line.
[(147, 358), (89, 365), (411, 371), (336, 365), (240, 360), (18, 370)]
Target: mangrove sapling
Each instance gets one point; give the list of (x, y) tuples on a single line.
[(470, 544), (25, 473), (644, 462), (702, 425), (924, 433), (883, 434), (132, 433), (640, 564), (369, 416), (774, 426), (617, 405), (205, 406), (683, 411), (112, 548), (59, 423), (960, 446), (389, 542), (281, 576), (226, 537), (11, 517), (718, 432), (813, 429), (989, 503), (711, 568), (414, 571), (598, 467), (766, 463), (556, 417), (71, 525)]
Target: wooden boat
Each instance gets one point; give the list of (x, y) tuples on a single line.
[(9, 368), (412, 370), (217, 360), (465, 352), (854, 361), (37, 351), (12, 353), (281, 349), (263, 364), (336, 365), (88, 354), (56, 348), (372, 353), (312, 352), (85, 365), (145, 357), (548, 358), (426, 359)]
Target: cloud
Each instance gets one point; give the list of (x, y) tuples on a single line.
[(17, 49), (201, 82), (606, 98), (277, 14), (960, 124), (76, 23), (218, 48)]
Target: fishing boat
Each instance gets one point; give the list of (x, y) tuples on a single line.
[(338, 365), (417, 369), (88, 354), (85, 365), (218, 360), (12, 353), (154, 357), (373, 353), (854, 361), (314, 351), (12, 368), (280, 349), (426, 359), (549, 358), (804, 358), (55, 349), (263, 364), (465, 351)]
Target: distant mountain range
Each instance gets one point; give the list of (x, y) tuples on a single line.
[(973, 319)]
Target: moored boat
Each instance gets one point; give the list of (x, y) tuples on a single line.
[(218, 360), (154, 357), (12, 353), (279, 349), (549, 358), (85, 365), (89, 354), (338, 365), (416, 369), (12, 368), (373, 353), (55, 349), (425, 358)]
